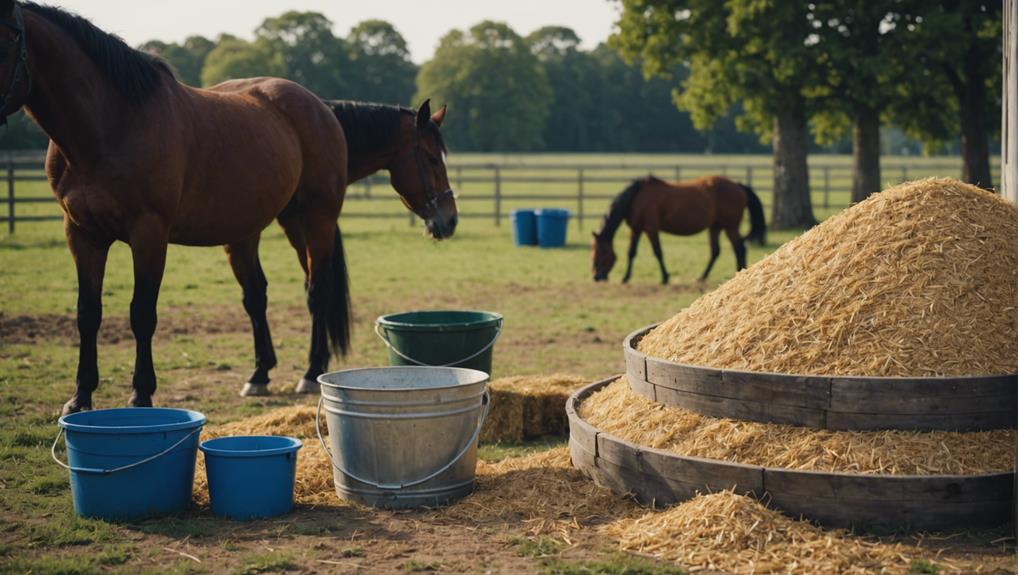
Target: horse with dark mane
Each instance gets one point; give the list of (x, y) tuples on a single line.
[(650, 205), (137, 157)]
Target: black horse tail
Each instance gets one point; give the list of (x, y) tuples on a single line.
[(757, 224), (338, 323)]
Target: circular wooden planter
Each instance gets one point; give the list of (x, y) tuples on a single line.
[(826, 402), (892, 502)]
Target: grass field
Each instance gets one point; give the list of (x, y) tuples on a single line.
[(556, 320)]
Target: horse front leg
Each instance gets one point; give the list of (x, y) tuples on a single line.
[(89, 253), (739, 245), (634, 241), (655, 243), (247, 269), (148, 240), (715, 250)]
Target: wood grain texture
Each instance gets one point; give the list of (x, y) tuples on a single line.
[(976, 403), (897, 502)]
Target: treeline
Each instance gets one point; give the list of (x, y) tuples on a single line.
[(505, 92)]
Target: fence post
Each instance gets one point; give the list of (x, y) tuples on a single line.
[(904, 173), (827, 187), (678, 173), (579, 198), (749, 176), (459, 177), (10, 193), (367, 188), (498, 196)]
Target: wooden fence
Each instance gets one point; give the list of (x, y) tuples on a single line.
[(585, 188)]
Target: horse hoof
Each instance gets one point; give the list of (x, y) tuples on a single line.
[(254, 390), (73, 406), (308, 386), (140, 401)]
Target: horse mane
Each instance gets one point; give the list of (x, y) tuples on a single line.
[(133, 73), (372, 128), (620, 207)]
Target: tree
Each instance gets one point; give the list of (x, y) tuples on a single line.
[(570, 73), (860, 46), (756, 53), (236, 58), (312, 55), (187, 60), (954, 48), (380, 69), (495, 88)]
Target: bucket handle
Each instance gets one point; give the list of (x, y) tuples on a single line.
[(486, 400), (384, 336), (53, 452)]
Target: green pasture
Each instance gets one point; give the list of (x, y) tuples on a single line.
[(556, 320)]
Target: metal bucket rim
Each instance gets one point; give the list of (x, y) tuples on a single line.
[(286, 445), (491, 319), (482, 378), (193, 419)]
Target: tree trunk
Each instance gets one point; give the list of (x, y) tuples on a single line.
[(975, 150), (865, 154), (791, 208)]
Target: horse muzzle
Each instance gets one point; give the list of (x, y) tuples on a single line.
[(441, 226)]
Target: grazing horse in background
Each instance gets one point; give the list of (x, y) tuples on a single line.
[(137, 157), (651, 206)]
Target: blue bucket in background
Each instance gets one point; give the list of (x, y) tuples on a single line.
[(551, 227), (251, 477), (524, 227), (130, 463)]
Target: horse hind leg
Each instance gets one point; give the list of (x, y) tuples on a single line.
[(90, 260), (247, 269), (739, 245), (715, 250), (290, 221)]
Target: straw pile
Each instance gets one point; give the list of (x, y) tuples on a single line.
[(527, 407), (617, 410), (737, 534), (919, 280)]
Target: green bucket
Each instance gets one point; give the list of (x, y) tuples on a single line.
[(445, 338)]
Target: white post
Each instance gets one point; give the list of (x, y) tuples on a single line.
[(1009, 124)]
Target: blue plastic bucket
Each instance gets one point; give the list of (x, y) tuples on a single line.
[(524, 227), (251, 477), (131, 463), (551, 227)]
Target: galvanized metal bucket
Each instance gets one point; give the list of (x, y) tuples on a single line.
[(403, 437)]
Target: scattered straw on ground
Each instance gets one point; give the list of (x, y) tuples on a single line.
[(527, 407), (737, 534), (543, 494), (918, 280), (619, 411)]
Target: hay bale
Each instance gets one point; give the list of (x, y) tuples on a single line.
[(617, 410), (528, 407), (920, 280)]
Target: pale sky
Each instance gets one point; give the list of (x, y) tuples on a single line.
[(421, 23)]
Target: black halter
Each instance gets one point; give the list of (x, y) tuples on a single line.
[(431, 199), (18, 26)]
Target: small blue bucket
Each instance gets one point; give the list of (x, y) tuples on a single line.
[(524, 227), (251, 477), (551, 227), (130, 463)]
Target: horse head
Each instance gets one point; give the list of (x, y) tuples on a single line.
[(604, 257), (418, 173)]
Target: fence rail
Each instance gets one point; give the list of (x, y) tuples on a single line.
[(584, 187)]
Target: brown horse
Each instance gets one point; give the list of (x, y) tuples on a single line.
[(137, 157), (651, 206)]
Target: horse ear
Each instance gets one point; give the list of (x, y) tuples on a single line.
[(424, 114), (439, 116)]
